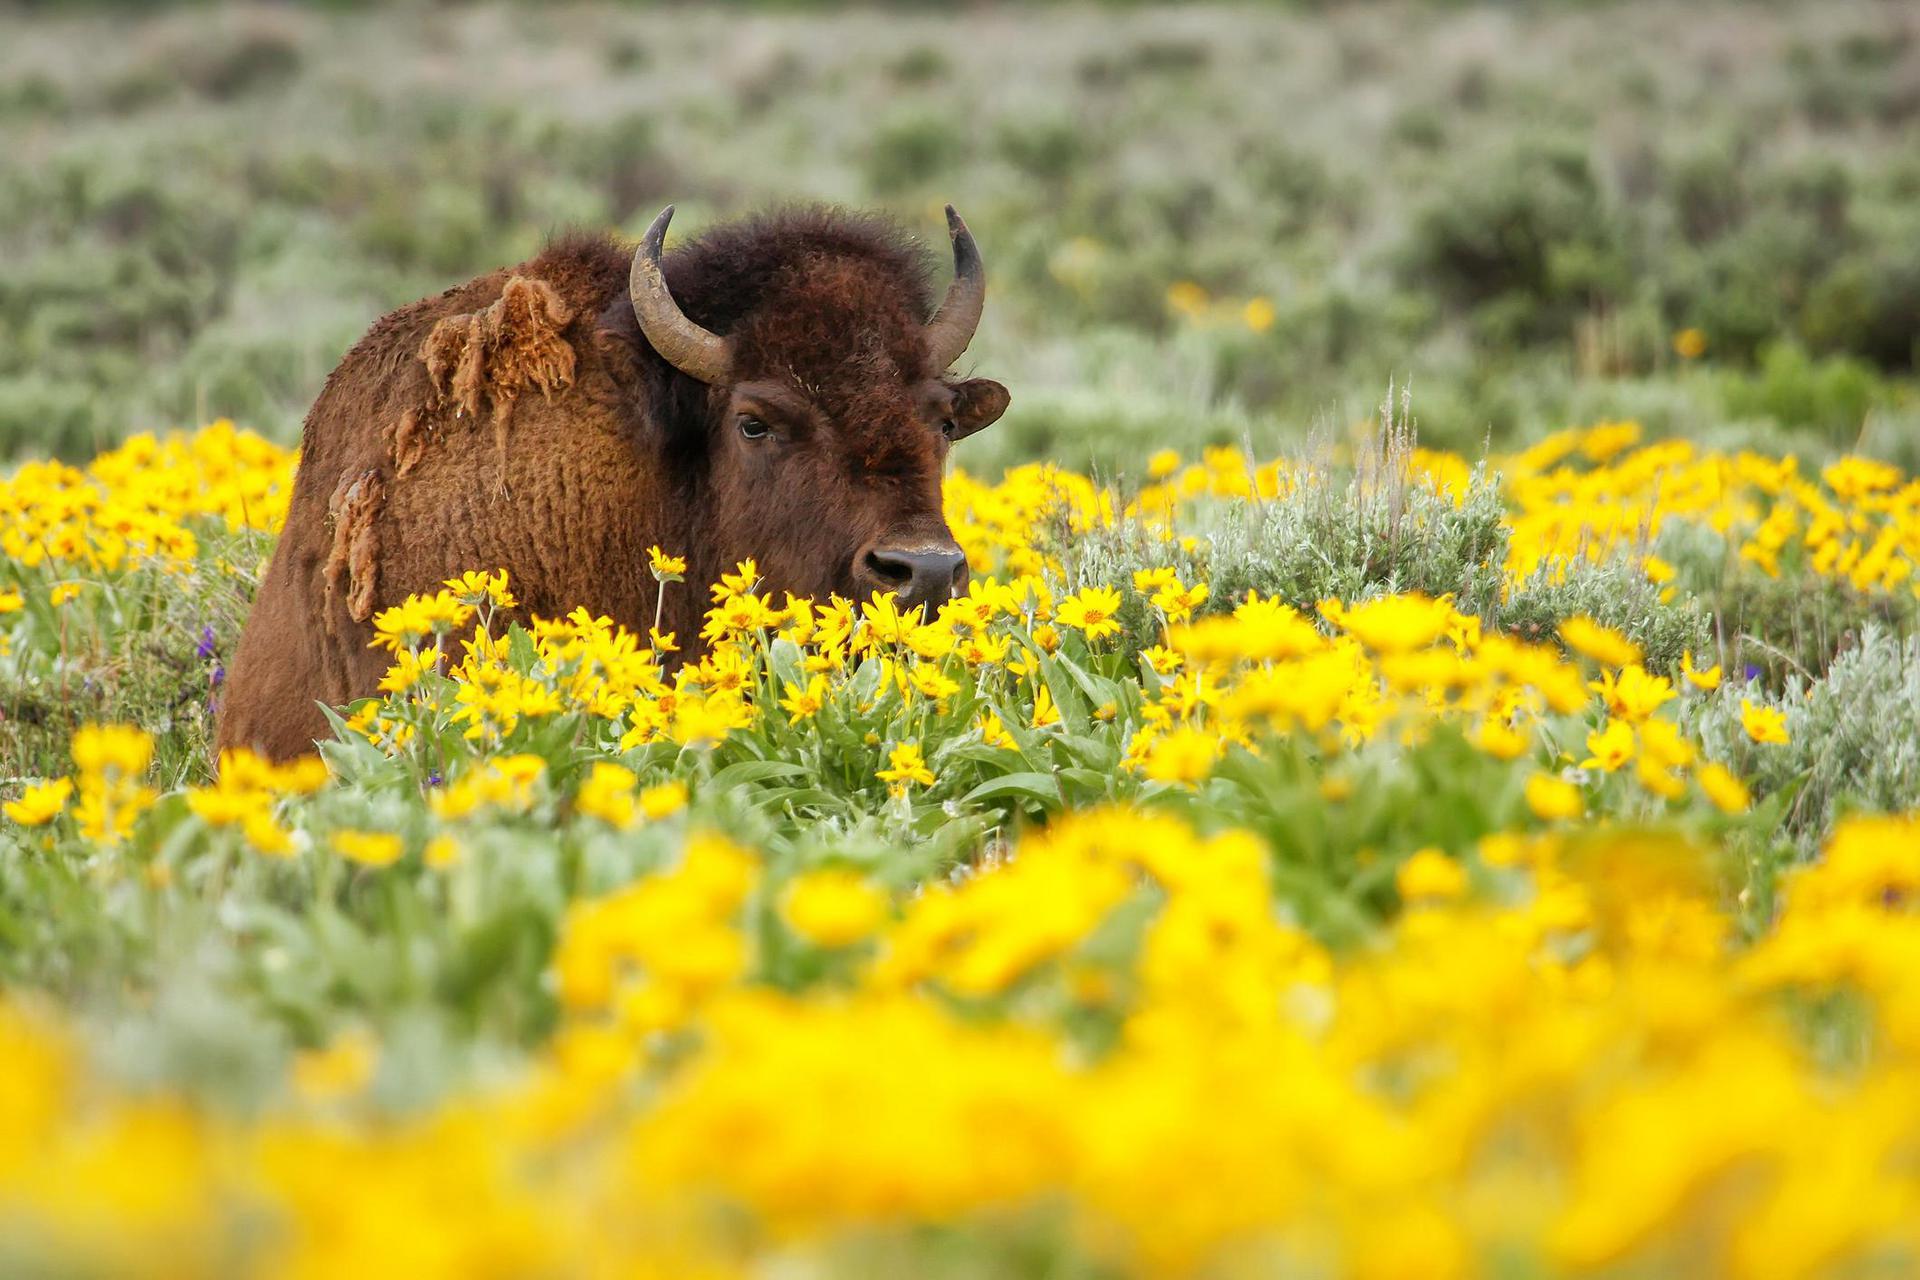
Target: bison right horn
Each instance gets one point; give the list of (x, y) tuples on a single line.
[(952, 326), (683, 344)]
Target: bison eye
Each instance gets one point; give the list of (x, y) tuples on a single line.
[(751, 427), (947, 428)]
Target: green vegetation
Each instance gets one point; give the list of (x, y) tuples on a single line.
[(1517, 209)]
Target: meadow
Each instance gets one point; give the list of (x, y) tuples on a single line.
[(1331, 836), (1204, 225)]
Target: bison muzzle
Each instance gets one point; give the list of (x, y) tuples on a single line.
[(777, 389)]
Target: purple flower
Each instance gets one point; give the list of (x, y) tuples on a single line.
[(205, 649), (1753, 672), (219, 674), (434, 780)]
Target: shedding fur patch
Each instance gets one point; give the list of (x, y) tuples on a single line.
[(407, 441), (353, 513), (489, 358)]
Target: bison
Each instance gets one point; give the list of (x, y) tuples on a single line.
[(776, 389)]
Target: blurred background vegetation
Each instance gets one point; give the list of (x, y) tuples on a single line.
[(1202, 224)]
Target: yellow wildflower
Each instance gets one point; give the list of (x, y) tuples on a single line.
[(1091, 610), (1045, 713), (906, 766), (1763, 724), (1708, 679), (103, 748), (1430, 875), (1187, 298), (663, 800), (474, 587), (1163, 661), (1500, 740), (832, 908), (1612, 746), (441, 852), (1601, 643), (607, 794), (1727, 792), (1553, 797), (368, 848), (665, 568), (40, 803), (1184, 756), (803, 704), (994, 734), (1392, 624)]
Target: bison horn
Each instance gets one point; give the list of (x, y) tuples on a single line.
[(952, 326), (681, 343)]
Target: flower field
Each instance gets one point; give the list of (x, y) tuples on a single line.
[(1360, 864)]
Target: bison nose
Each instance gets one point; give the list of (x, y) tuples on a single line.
[(928, 574)]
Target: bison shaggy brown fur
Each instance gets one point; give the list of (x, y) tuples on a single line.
[(775, 389)]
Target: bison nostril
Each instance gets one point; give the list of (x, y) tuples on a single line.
[(891, 571), (918, 575)]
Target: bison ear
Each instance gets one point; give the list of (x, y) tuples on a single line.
[(977, 405)]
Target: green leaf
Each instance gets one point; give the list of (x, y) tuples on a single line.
[(746, 771), (1036, 786), (1092, 752), (806, 798), (520, 651), (784, 657), (512, 937), (1098, 692), (1093, 783)]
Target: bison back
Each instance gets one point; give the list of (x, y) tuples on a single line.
[(492, 427)]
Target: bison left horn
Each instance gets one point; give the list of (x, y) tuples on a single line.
[(683, 344), (952, 326)]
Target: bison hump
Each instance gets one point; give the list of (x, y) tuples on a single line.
[(485, 360)]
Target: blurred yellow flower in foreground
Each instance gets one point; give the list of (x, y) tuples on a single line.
[(832, 908), (40, 803), (1430, 875), (663, 799), (608, 794), (368, 848), (1603, 644), (112, 747), (1727, 792), (1553, 798), (340, 1070)]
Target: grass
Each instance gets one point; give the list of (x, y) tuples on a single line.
[(155, 663), (205, 206)]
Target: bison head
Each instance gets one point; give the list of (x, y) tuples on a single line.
[(828, 413)]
